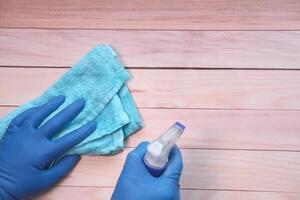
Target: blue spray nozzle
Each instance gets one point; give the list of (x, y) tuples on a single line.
[(180, 125)]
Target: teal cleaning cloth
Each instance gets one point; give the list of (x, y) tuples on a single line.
[(100, 79)]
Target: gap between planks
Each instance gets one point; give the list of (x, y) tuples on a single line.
[(162, 68)]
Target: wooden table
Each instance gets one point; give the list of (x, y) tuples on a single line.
[(227, 69)]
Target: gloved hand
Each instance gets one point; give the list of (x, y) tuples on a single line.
[(26, 150), (136, 183)]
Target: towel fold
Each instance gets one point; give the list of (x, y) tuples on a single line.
[(100, 79)]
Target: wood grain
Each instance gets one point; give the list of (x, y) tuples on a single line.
[(205, 169), (221, 129), (242, 140), (152, 14), (154, 49), (77, 193), (214, 89), (98, 193)]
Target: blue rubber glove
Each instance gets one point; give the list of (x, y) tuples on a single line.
[(26, 150), (136, 183)]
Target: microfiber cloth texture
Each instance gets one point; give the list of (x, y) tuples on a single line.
[(100, 79)]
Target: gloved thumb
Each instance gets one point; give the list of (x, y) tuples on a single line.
[(61, 169)]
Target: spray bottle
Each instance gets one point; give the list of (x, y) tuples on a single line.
[(157, 155)]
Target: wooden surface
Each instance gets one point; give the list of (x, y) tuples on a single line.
[(152, 14), (229, 70), (253, 171), (100, 193), (154, 49), (214, 89), (222, 129)]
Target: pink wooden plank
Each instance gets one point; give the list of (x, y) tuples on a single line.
[(98, 193), (214, 89), (206, 169), (77, 193), (152, 49), (152, 14), (221, 129)]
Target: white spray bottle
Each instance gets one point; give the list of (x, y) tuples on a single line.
[(157, 155)]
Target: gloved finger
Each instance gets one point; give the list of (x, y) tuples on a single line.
[(56, 123), (175, 164), (18, 120), (68, 141), (134, 161), (60, 169), (45, 110), (136, 155), (140, 150)]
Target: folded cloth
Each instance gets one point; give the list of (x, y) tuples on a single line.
[(100, 79)]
